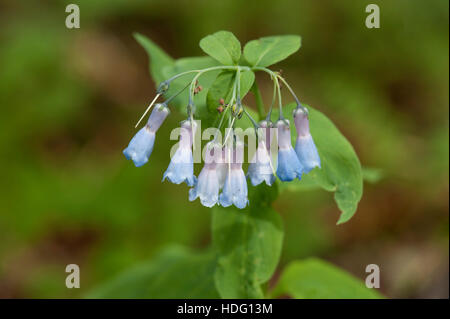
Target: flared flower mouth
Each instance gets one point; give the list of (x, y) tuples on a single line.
[(261, 168)]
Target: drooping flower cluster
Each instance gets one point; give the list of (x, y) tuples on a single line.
[(222, 180)]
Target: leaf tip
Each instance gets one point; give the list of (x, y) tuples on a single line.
[(344, 218), (136, 35)]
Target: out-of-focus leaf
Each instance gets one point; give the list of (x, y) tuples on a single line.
[(174, 273), (316, 279), (223, 88), (158, 58), (248, 243), (341, 170), (372, 175), (222, 46), (270, 50)]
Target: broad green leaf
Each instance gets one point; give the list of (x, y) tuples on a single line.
[(270, 50), (222, 46), (341, 169), (223, 88), (248, 243), (158, 58), (174, 273), (316, 279)]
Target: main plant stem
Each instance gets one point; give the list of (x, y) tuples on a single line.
[(258, 99)]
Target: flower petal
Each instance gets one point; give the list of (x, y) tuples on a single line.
[(307, 152), (140, 147), (235, 189), (289, 166), (207, 187), (181, 167), (304, 147), (261, 168)]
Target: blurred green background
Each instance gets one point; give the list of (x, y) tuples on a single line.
[(70, 98)]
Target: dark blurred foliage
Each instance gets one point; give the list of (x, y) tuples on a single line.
[(70, 98)]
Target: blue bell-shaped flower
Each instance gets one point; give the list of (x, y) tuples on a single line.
[(289, 166), (261, 168), (235, 190), (181, 167), (207, 186), (141, 145), (304, 147)]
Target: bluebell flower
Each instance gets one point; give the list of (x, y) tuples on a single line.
[(304, 147), (235, 190), (261, 168), (207, 186), (266, 130), (181, 167), (141, 145), (289, 166)]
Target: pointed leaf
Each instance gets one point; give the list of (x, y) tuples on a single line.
[(270, 50), (316, 279), (158, 58)]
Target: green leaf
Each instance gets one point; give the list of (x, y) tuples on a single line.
[(270, 50), (222, 46), (223, 88), (174, 273), (372, 175), (316, 279), (341, 169), (158, 58), (248, 243)]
